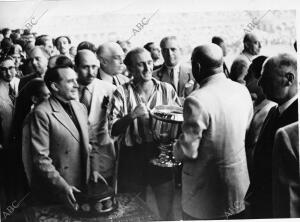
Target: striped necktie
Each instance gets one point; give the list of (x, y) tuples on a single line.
[(11, 93), (86, 98)]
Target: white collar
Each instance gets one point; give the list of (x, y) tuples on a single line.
[(89, 86)]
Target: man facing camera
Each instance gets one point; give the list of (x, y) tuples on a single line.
[(95, 94), (59, 141), (111, 57), (172, 70), (216, 116)]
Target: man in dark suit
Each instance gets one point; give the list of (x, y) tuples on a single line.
[(286, 177), (214, 175), (279, 84), (39, 59), (59, 141), (173, 71)]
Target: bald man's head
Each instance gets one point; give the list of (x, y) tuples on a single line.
[(86, 65), (207, 60), (279, 77), (251, 43), (111, 57)]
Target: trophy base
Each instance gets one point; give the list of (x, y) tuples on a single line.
[(164, 163)]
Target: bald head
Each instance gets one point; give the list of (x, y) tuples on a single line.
[(86, 65), (84, 54), (251, 43), (207, 60), (108, 48), (111, 57), (279, 77)]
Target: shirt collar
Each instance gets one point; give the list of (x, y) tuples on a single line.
[(89, 86), (175, 68), (105, 76), (285, 105)]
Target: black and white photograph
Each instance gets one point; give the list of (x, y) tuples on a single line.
[(150, 110)]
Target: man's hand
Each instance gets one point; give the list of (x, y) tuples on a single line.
[(96, 176), (140, 111), (69, 198)]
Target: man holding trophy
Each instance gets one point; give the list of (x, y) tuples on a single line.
[(130, 122)]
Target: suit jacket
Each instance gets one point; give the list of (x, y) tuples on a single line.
[(260, 190), (6, 115), (214, 175), (60, 151), (102, 145), (286, 172), (185, 76)]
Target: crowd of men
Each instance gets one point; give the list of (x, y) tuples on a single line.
[(71, 117)]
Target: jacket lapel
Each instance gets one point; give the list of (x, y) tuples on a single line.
[(82, 124), (60, 114)]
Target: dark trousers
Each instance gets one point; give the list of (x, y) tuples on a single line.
[(135, 173)]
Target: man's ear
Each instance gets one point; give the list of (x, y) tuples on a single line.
[(54, 86), (102, 60), (34, 99), (290, 78)]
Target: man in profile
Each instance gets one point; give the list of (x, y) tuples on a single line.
[(214, 175), (240, 65), (279, 84), (59, 141)]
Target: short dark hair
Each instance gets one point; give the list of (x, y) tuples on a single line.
[(6, 45), (34, 87), (257, 65), (147, 46), (63, 36), (87, 45), (217, 40), (5, 31), (41, 40), (52, 75), (131, 53)]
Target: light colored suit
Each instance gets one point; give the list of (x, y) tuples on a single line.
[(60, 151), (286, 172), (102, 144), (185, 76), (214, 175)]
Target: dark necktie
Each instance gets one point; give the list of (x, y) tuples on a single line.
[(11, 94), (86, 98), (172, 78)]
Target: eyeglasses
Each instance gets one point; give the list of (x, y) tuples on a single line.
[(6, 69)]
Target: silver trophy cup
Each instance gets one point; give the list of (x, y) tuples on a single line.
[(165, 124)]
